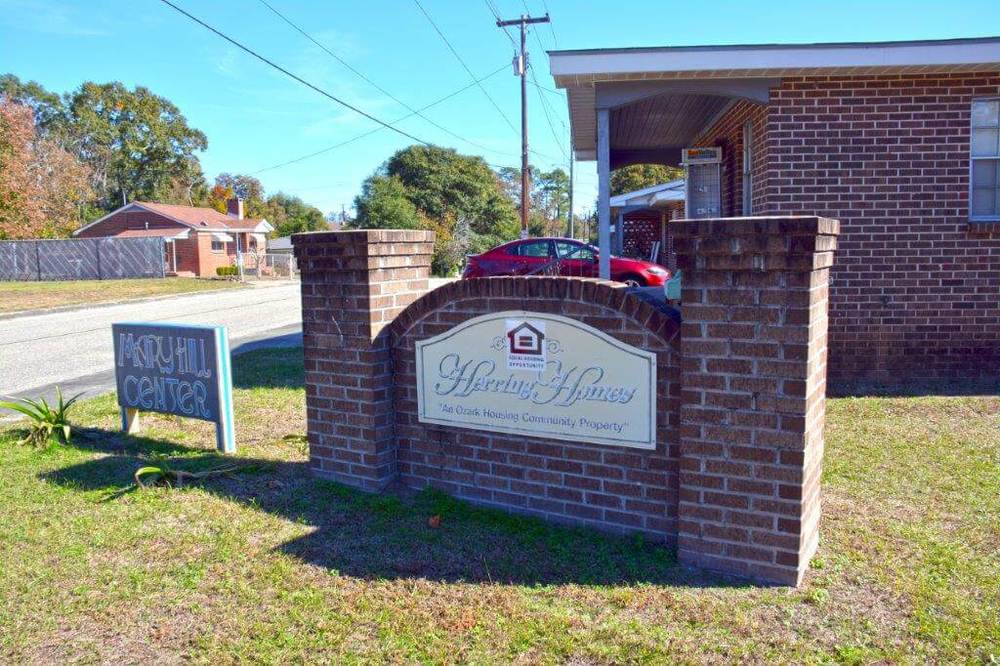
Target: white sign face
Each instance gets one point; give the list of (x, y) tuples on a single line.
[(544, 375)]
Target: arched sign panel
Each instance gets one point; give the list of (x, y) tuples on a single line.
[(531, 373)]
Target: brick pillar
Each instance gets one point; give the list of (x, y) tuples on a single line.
[(353, 284), (753, 348)]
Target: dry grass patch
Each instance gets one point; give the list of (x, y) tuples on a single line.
[(273, 565), (19, 296)]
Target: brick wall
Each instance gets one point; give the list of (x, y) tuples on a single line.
[(614, 488), (916, 288), (353, 284), (728, 133), (207, 259), (754, 348), (734, 478)]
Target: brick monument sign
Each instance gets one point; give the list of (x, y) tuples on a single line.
[(706, 435)]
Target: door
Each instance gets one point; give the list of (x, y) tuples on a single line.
[(576, 259), (531, 257)]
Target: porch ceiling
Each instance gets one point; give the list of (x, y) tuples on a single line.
[(651, 121), (651, 130), (657, 128)]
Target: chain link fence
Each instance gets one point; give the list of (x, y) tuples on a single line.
[(270, 266), (82, 259)]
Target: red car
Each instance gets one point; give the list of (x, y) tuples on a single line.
[(560, 256)]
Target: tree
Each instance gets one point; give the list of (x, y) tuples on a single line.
[(384, 204), (247, 188), (291, 215), (41, 185), (549, 198), (186, 187), (427, 187), (217, 196), (134, 142), (637, 176), (550, 201), (47, 106)]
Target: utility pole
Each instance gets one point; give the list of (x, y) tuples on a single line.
[(521, 69)]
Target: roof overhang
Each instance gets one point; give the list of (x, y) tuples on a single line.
[(262, 227), (655, 196), (617, 78)]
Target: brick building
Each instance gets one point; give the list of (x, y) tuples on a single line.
[(898, 141), (198, 240)]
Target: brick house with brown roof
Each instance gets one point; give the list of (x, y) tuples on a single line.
[(198, 240), (900, 141)]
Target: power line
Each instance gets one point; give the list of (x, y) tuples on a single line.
[(552, 28), (379, 129), (548, 119), (546, 88), (377, 86), (534, 82), (462, 62), (293, 76), (496, 15)]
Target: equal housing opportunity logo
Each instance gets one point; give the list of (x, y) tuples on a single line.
[(526, 345)]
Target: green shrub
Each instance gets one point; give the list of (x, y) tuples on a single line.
[(225, 271), (49, 424)]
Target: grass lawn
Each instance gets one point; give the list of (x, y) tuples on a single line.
[(15, 296), (274, 566)]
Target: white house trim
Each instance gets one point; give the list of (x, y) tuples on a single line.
[(575, 67)]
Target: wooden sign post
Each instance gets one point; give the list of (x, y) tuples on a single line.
[(175, 369)]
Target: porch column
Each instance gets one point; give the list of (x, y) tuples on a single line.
[(604, 192)]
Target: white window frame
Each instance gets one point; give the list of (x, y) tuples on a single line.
[(748, 168), (973, 160), (222, 246)]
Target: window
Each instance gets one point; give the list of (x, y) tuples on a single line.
[(984, 204), (532, 249), (569, 250), (218, 246), (747, 168)]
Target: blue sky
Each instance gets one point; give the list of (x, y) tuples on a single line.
[(255, 117)]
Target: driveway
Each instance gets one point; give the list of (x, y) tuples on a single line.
[(73, 348)]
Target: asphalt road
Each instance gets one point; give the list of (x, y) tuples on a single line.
[(73, 348)]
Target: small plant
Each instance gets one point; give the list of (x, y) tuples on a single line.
[(227, 271), (162, 473), (49, 423), (300, 441)]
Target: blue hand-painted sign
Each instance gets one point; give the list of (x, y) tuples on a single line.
[(175, 369)]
